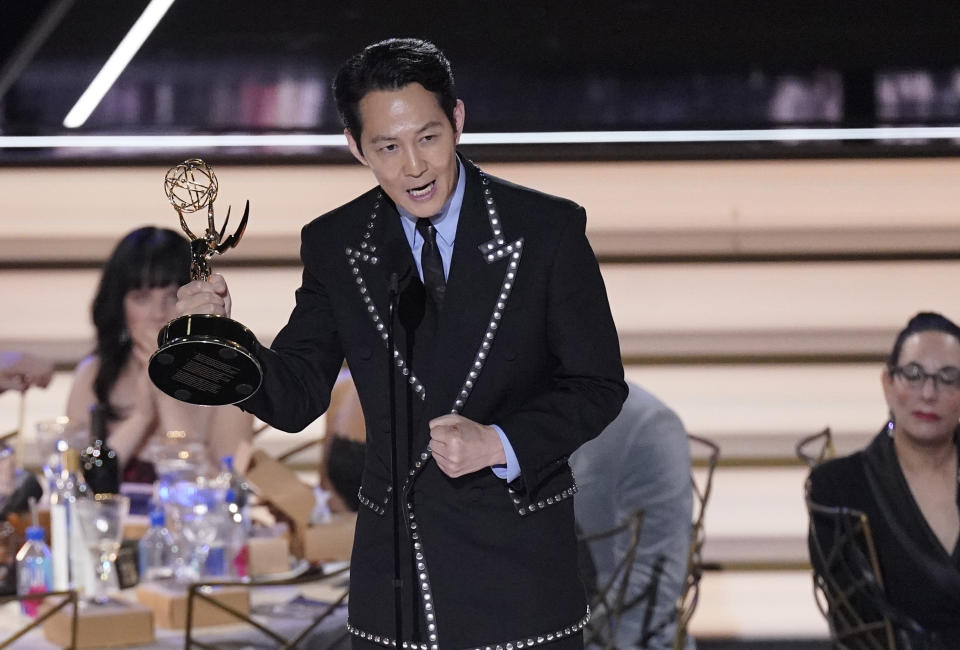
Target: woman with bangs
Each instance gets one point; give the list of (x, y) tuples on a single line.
[(906, 482), (136, 297)]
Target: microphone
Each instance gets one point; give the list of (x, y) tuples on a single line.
[(407, 296), (393, 285)]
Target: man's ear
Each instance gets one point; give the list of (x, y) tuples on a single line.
[(354, 147), (459, 115)]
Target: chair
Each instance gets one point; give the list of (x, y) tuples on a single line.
[(66, 598), (608, 601), (286, 456), (198, 593), (848, 586), (816, 448), (690, 596)]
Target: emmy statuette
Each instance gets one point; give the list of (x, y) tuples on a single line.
[(202, 358)]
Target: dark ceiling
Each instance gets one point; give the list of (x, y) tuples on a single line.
[(522, 65)]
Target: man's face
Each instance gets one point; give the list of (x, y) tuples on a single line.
[(410, 146)]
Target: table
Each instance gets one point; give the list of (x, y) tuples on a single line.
[(330, 634)]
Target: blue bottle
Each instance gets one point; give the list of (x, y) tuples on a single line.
[(34, 570), (156, 550)]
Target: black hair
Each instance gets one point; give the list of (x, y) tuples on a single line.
[(345, 469), (391, 65), (925, 321), (144, 259)]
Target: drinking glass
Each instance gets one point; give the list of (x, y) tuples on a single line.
[(53, 436), (195, 510), (101, 525), (176, 456)]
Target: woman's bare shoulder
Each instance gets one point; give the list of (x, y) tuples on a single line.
[(87, 367)]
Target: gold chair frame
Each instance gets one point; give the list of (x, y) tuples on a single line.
[(196, 593), (690, 596), (848, 586), (68, 598), (847, 572), (816, 448), (605, 620)]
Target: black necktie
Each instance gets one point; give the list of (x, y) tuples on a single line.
[(431, 262)]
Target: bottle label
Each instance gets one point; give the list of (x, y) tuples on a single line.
[(32, 607)]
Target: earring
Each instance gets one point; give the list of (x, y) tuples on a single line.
[(891, 423), (124, 337)]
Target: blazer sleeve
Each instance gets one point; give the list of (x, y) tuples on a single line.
[(301, 366), (586, 389)]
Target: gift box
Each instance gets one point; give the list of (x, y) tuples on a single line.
[(267, 556), (281, 487), (112, 625), (329, 542), (168, 602)]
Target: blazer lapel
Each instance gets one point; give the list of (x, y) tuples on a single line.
[(381, 252), (478, 288)]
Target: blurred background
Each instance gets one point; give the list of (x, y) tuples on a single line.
[(771, 190)]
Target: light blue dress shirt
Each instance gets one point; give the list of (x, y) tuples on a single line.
[(446, 226)]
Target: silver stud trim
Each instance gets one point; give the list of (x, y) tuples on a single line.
[(529, 642), (488, 337), (371, 504), (354, 257), (423, 577), (524, 509), (493, 251)]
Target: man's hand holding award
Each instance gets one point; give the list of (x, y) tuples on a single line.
[(207, 358)]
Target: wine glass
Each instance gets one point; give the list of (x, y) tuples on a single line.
[(101, 525)]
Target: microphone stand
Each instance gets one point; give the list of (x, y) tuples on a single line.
[(394, 293)]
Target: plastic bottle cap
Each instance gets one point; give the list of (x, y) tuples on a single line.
[(157, 518), (227, 462), (230, 496), (35, 533)]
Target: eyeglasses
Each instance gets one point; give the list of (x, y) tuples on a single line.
[(915, 376)]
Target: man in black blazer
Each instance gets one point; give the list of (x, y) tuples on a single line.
[(505, 357)]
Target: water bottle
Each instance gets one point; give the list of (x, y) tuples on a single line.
[(157, 550), (229, 477), (34, 570), (236, 533), (72, 562)]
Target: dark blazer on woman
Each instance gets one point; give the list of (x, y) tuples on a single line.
[(525, 340)]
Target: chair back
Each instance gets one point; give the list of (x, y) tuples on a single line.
[(816, 448), (690, 596), (848, 585), (608, 601), (200, 594), (53, 604)]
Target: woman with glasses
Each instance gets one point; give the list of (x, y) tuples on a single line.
[(906, 481)]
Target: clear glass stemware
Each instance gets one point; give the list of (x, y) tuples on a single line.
[(101, 525)]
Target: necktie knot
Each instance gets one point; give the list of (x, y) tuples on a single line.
[(434, 280), (426, 229)]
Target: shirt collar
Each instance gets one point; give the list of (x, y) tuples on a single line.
[(448, 218)]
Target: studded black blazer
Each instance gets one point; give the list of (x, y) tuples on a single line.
[(525, 340)]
